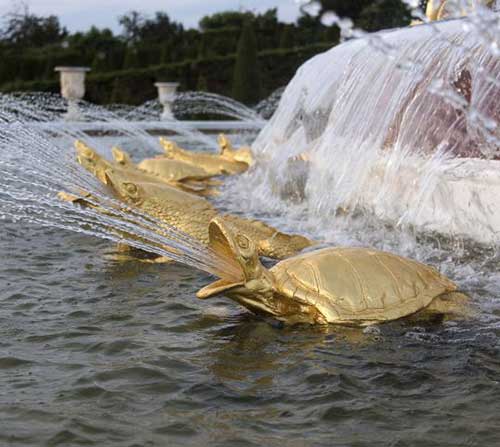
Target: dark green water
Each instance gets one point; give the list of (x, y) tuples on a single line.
[(103, 354)]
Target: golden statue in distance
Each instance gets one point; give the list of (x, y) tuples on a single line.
[(443, 9), (346, 286), (213, 164)]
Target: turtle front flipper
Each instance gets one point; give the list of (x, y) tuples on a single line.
[(77, 200)]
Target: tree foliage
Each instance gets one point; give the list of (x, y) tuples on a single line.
[(371, 15), (31, 46), (246, 80), (24, 29)]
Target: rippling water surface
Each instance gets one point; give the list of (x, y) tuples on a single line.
[(105, 353)]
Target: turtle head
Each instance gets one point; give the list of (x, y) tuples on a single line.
[(170, 147), (225, 144), (91, 160), (245, 279), (125, 189), (120, 156), (243, 155)]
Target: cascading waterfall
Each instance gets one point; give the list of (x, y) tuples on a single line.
[(403, 124)]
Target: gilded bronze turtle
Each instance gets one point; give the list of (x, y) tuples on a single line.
[(345, 286)]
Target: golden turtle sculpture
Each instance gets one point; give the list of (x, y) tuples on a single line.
[(192, 215), (345, 286), (213, 164), (182, 175)]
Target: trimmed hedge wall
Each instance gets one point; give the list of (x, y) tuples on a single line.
[(136, 86)]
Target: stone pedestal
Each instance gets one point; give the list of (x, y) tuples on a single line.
[(166, 95), (72, 89)]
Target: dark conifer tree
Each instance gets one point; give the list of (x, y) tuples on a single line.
[(246, 79), (287, 38)]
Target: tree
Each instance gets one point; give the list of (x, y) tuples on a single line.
[(308, 29), (131, 23), (226, 19), (369, 14), (24, 29), (98, 46), (246, 80), (202, 84), (287, 37), (342, 8), (159, 29), (384, 14)]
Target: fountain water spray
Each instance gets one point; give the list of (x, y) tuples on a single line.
[(34, 170), (400, 124)]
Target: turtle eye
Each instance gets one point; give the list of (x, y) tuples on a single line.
[(242, 242), (131, 189)]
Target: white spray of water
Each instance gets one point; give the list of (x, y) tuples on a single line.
[(388, 123), (34, 169)]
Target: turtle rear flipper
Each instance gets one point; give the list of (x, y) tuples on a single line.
[(450, 306), (75, 200)]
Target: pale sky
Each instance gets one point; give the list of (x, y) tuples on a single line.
[(79, 15)]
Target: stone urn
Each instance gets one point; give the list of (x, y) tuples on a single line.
[(72, 89), (166, 95)]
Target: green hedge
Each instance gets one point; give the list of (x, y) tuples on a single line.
[(136, 86)]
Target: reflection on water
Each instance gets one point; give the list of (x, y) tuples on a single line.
[(98, 353)]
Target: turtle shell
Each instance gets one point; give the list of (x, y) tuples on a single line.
[(213, 164), (359, 286)]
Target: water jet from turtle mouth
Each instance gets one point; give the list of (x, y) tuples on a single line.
[(34, 170)]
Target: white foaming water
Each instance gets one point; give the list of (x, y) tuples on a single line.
[(401, 125)]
